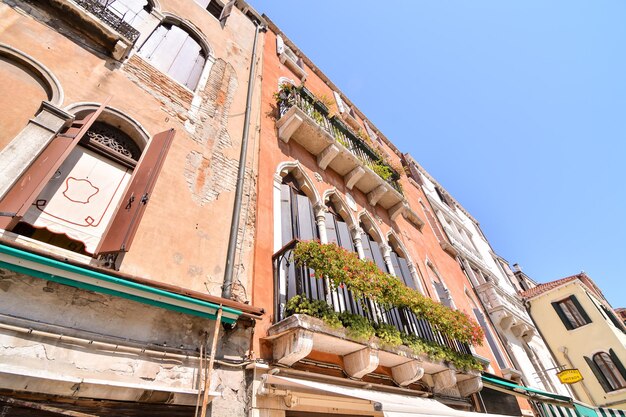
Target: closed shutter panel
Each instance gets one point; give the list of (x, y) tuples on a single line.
[(598, 373), (307, 228), (227, 10), (618, 363), (568, 324), (331, 231), (280, 45), (339, 101), (20, 197), (406, 273), (581, 310), (121, 231), (286, 219)]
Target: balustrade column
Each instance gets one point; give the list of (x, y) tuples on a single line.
[(320, 219), (386, 249), (358, 241)]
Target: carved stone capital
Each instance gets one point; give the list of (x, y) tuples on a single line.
[(361, 362), (293, 346)]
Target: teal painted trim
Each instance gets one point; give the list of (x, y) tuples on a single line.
[(108, 278), (513, 386)]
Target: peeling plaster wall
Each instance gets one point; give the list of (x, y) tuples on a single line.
[(104, 318)]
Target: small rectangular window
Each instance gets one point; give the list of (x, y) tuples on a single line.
[(215, 8), (571, 313)]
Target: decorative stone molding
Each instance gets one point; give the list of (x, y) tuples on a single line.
[(353, 177), (293, 346), (470, 386), (327, 155), (375, 195), (287, 126), (407, 373), (444, 380), (361, 362)]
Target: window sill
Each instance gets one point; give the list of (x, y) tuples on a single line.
[(617, 392), (42, 246)]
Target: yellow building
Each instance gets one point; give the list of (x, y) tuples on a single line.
[(583, 333)]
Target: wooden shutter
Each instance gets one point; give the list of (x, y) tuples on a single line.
[(618, 363), (280, 45), (566, 322), (580, 309), (598, 373), (20, 197), (226, 11), (339, 101), (121, 230)]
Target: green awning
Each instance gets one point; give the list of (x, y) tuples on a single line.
[(49, 269), (531, 393)]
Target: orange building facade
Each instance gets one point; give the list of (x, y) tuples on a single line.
[(326, 174)]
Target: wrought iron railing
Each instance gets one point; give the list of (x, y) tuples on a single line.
[(305, 101), (291, 279), (103, 10)]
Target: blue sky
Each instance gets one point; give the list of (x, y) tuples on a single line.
[(518, 108)]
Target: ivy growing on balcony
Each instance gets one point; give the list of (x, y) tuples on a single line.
[(365, 280), (359, 328)]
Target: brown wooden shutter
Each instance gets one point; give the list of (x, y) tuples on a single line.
[(121, 230), (559, 311), (598, 374), (20, 197), (226, 11)]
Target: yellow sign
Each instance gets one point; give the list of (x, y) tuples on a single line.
[(570, 376)]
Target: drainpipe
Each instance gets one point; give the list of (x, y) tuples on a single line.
[(234, 225)]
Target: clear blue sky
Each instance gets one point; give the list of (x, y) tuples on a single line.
[(518, 108)]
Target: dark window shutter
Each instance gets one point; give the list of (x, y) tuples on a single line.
[(122, 228), (20, 197), (557, 307), (618, 363), (580, 308), (226, 11), (599, 375)]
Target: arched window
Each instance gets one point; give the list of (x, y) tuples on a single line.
[(297, 216), (175, 51), (401, 266), (608, 369), (87, 190), (76, 205)]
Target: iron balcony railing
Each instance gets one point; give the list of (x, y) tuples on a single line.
[(305, 101), (104, 11), (291, 279)]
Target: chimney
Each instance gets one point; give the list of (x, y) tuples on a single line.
[(517, 268)]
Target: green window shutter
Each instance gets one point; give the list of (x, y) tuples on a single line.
[(618, 363), (568, 325), (580, 308), (599, 375)]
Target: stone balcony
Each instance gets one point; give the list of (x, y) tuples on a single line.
[(297, 336), (98, 21), (336, 147), (506, 311)]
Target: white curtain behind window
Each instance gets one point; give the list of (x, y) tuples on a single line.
[(81, 198)]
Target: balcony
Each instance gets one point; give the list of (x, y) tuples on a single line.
[(294, 337), (463, 247), (336, 146), (100, 22), (288, 57), (506, 311)]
